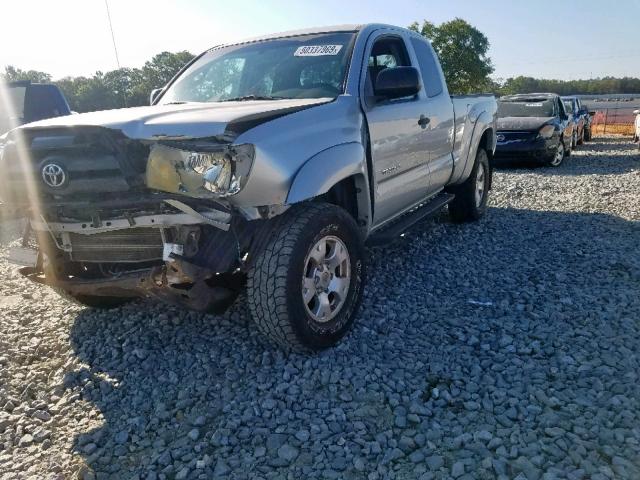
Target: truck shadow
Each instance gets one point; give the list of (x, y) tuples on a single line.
[(443, 297), (602, 156)]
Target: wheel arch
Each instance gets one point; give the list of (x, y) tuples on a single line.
[(338, 176)]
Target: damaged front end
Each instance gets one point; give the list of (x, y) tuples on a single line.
[(114, 217)]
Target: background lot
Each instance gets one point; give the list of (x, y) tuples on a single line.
[(519, 357)]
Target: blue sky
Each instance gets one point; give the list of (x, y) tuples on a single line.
[(546, 38)]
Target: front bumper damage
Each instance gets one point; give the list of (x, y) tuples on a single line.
[(131, 218), (197, 258)]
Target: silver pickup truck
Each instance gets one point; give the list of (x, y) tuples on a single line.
[(264, 165)]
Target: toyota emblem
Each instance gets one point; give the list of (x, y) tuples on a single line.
[(53, 175), (500, 137)]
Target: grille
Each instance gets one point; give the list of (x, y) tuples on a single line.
[(518, 135), (94, 160), (121, 246)]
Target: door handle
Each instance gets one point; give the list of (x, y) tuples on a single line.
[(423, 121)]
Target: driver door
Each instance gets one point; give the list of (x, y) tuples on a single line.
[(399, 151)]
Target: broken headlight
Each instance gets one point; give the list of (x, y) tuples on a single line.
[(204, 171), (547, 131)]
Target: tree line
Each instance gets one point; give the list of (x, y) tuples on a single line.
[(462, 48), (124, 87)]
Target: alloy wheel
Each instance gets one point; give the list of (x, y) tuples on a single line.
[(326, 279)]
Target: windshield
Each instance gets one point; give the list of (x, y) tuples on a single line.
[(308, 66), (536, 107), (568, 106)]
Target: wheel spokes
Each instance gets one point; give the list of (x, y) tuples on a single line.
[(323, 307), (319, 252), (308, 290), (326, 278), (339, 286), (337, 257)]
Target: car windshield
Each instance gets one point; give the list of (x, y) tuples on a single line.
[(568, 106), (534, 107), (307, 66)]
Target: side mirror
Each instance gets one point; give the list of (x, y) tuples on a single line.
[(154, 94), (398, 82), (636, 112)]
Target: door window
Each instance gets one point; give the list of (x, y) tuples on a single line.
[(387, 52)]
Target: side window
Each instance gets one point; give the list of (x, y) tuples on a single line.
[(387, 52), (428, 67)]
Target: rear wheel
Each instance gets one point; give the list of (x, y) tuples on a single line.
[(471, 197), (581, 137), (306, 285), (587, 134)]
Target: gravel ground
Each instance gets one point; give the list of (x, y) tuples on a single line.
[(506, 348)]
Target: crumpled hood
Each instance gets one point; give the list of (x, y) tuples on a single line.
[(190, 120), (522, 123)]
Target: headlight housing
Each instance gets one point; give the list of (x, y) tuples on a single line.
[(547, 131), (199, 170)]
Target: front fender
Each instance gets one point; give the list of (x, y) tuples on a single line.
[(326, 169)]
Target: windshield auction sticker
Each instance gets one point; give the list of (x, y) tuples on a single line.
[(317, 50)]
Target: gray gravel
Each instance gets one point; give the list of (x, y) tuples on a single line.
[(506, 348)]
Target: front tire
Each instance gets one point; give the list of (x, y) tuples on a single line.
[(558, 156), (306, 285), (471, 197)]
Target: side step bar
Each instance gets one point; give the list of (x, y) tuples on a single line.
[(406, 221)]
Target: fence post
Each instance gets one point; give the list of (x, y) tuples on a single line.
[(606, 116)]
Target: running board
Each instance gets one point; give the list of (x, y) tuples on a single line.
[(406, 221)]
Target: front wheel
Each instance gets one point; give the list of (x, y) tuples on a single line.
[(471, 197), (558, 156), (306, 285)]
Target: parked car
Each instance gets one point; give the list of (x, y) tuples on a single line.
[(588, 119), (270, 161), (636, 135), (533, 126), (580, 118), (30, 102)]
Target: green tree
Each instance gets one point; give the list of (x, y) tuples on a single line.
[(463, 50), (13, 74), (124, 87), (161, 68)]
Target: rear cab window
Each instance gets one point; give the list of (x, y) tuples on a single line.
[(428, 67)]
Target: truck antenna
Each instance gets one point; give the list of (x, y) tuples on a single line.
[(115, 48)]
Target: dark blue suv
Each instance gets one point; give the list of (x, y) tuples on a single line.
[(533, 126), (30, 102)]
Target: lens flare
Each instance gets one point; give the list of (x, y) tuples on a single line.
[(11, 207)]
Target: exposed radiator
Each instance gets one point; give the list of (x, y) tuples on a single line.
[(120, 246)]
